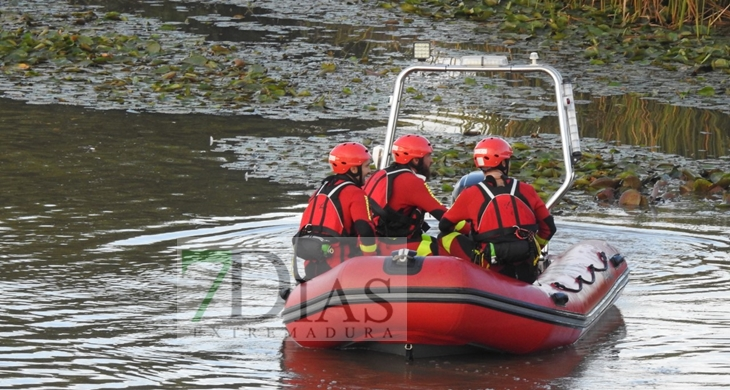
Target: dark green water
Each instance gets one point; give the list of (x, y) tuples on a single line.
[(96, 205)]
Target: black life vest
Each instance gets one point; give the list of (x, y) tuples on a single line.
[(505, 215), (389, 222)]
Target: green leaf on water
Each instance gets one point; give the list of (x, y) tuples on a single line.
[(153, 47), (196, 60), (706, 91), (720, 63), (329, 67), (113, 16), (85, 40), (520, 146)]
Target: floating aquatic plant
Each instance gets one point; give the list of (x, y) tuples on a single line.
[(606, 29), (31, 50), (621, 182)]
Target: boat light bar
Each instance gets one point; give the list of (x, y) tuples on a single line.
[(421, 50), (484, 61), (474, 61)]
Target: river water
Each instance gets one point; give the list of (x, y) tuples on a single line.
[(99, 208), (97, 205)]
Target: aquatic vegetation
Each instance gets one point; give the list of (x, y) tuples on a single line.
[(626, 178), (658, 33), (159, 66), (151, 64), (603, 174)]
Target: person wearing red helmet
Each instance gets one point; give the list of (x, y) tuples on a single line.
[(337, 223), (509, 220), (400, 197)]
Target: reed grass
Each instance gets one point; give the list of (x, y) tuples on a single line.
[(703, 15)]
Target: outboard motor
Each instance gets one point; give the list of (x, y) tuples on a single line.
[(467, 180)]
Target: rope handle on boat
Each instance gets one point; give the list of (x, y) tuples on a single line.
[(615, 261)]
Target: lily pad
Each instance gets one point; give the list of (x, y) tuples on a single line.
[(196, 60), (706, 91)]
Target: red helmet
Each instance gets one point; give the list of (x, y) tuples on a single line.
[(347, 155), (409, 147), (490, 152)]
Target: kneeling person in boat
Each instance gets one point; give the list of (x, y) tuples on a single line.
[(338, 216), (510, 223), (400, 198)]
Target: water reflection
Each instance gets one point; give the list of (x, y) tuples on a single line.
[(253, 24), (619, 120), (84, 305), (361, 369), (631, 120)]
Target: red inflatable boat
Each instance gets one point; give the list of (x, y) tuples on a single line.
[(439, 305), (442, 305)]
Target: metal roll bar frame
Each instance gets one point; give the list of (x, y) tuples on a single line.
[(563, 98)]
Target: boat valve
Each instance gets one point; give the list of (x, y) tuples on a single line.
[(617, 259), (559, 298), (409, 352)]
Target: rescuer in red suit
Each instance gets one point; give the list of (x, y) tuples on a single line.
[(337, 224), (400, 198), (509, 221)]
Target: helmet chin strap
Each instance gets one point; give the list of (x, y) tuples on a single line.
[(504, 167), (356, 177)]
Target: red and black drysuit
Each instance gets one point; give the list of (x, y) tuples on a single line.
[(336, 220), (400, 199), (511, 225)]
